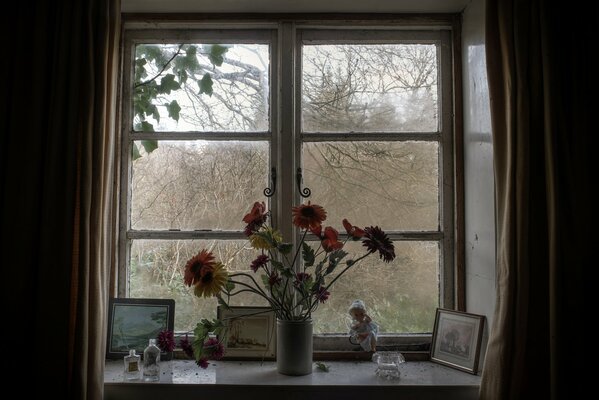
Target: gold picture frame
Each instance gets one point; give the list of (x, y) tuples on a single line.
[(250, 333), (457, 339)]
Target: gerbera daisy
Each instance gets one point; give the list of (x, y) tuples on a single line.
[(377, 240), (193, 268), (352, 230), (260, 261), (213, 280), (214, 348), (308, 216), (330, 241)]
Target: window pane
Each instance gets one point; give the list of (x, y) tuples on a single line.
[(390, 184), (369, 88), (157, 268), (401, 297), (197, 184), (201, 87)]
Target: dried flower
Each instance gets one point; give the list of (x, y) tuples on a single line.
[(185, 345), (377, 240), (166, 340)]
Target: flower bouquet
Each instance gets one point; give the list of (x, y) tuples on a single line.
[(294, 279)]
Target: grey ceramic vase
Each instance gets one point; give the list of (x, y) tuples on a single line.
[(294, 347)]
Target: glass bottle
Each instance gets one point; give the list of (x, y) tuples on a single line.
[(132, 367), (151, 362)]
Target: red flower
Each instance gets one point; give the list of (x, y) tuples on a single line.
[(257, 215), (308, 216), (377, 240), (197, 267), (352, 230), (330, 241), (255, 219)]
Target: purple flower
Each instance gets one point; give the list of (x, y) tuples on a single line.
[(202, 363), (260, 261), (322, 294), (166, 341), (185, 344), (274, 279), (215, 348)]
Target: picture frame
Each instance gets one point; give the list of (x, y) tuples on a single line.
[(132, 322), (250, 332), (457, 338)]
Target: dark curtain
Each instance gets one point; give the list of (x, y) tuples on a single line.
[(56, 190), (543, 95)]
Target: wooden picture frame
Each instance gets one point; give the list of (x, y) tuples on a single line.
[(457, 338), (133, 322), (250, 333)]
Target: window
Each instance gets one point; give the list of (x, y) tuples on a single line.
[(365, 113)]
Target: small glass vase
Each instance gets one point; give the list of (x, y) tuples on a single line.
[(388, 364), (151, 371)]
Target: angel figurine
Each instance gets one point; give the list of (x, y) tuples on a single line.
[(362, 329)]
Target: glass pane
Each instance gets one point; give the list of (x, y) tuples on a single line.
[(157, 269), (390, 184), (369, 88), (401, 297), (197, 184), (201, 87)]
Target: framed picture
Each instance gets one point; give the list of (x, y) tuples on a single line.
[(456, 339), (132, 322), (250, 332)]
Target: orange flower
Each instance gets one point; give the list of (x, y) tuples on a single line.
[(352, 230), (308, 216), (193, 269), (330, 241)]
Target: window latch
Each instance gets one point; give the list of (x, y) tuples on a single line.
[(305, 192), (270, 191)]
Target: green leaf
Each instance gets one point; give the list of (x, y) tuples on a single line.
[(135, 152), (168, 83), (334, 258), (205, 84), (264, 278), (308, 254), (285, 248), (173, 109), (144, 126), (222, 302), (322, 366), (149, 145), (216, 54), (153, 111)]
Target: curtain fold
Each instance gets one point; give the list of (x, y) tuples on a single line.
[(538, 77), (57, 174)]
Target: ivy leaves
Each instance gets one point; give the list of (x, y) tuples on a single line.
[(174, 69)]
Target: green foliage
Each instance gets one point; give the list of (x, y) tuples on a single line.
[(322, 366), (205, 84), (308, 255), (204, 328), (285, 248), (158, 63), (149, 145)]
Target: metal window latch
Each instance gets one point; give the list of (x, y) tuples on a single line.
[(305, 192), (270, 191)]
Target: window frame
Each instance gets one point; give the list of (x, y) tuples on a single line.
[(285, 136)]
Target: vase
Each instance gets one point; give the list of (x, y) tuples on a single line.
[(294, 347)]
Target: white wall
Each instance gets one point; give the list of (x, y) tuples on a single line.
[(478, 164)]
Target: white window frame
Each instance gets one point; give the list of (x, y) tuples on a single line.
[(285, 136)]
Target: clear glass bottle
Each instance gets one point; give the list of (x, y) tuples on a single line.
[(152, 362), (132, 367)]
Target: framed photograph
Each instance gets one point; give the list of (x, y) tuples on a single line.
[(133, 322), (250, 332), (456, 339)]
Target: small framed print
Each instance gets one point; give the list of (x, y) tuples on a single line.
[(132, 322), (456, 339), (250, 332)]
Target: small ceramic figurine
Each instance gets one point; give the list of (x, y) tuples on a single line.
[(362, 329)]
